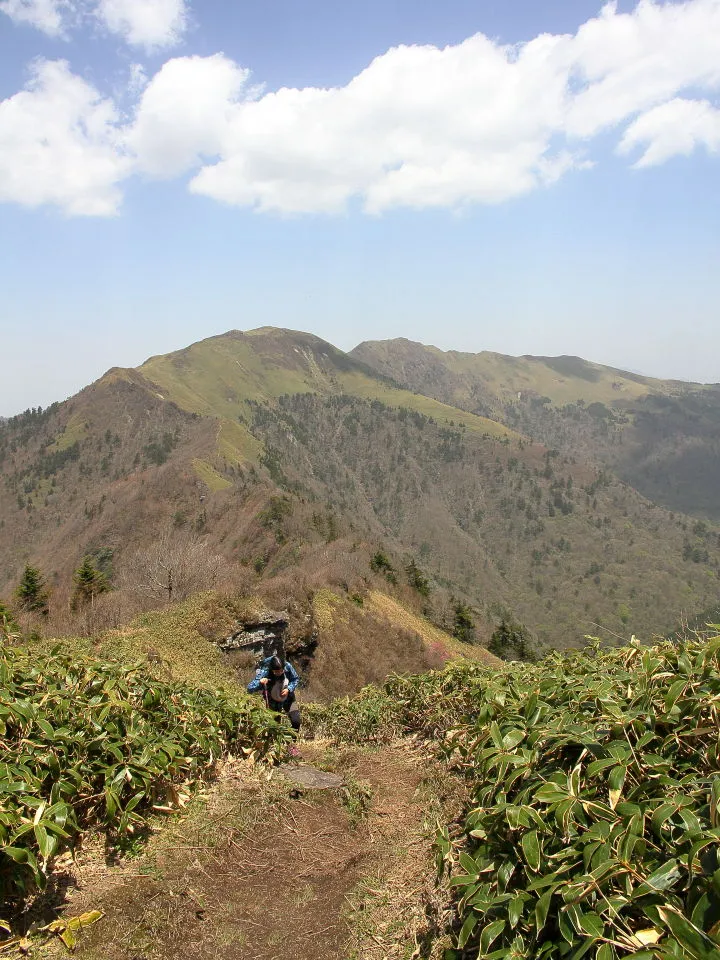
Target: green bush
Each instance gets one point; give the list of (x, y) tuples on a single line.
[(89, 742), (594, 827)]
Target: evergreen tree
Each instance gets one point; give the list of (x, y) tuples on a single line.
[(463, 623), (417, 579), (89, 583), (512, 641), (31, 593)]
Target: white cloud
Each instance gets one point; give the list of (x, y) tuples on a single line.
[(472, 123), (46, 15), (674, 128), (627, 63), (184, 112), (152, 24), (59, 144)]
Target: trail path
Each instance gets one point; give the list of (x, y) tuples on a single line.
[(266, 871)]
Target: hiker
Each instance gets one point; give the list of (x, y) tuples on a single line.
[(278, 681)]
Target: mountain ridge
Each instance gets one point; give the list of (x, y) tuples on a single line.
[(288, 457), (660, 436)]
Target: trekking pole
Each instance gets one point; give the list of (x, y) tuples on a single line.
[(266, 696)]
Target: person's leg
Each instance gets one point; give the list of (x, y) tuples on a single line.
[(293, 711)]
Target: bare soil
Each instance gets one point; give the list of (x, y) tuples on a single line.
[(265, 870)]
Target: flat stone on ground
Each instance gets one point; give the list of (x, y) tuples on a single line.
[(310, 777)]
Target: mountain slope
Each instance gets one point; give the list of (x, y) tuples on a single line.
[(470, 379), (510, 525), (220, 376), (293, 462), (660, 436)]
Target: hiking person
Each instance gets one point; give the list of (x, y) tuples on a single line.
[(278, 680)]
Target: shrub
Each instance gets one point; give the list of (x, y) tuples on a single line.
[(594, 823), (90, 742)]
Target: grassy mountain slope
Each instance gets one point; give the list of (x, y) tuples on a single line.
[(661, 436), (219, 376), (468, 379)]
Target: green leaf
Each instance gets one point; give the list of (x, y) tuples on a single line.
[(541, 910), (663, 878), (515, 910), (531, 848), (489, 934), (616, 778), (512, 738), (593, 925), (662, 815), (467, 929), (674, 693), (693, 941), (468, 864), (550, 793), (597, 766)]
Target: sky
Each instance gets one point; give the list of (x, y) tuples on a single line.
[(508, 175)]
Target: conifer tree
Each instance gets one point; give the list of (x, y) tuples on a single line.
[(463, 624), (31, 593), (417, 579), (512, 641), (89, 583)]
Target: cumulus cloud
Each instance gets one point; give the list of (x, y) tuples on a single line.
[(677, 127), (152, 24), (473, 123), (60, 144), (46, 15), (476, 122), (184, 112)]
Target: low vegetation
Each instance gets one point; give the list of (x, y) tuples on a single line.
[(593, 828), (93, 743)]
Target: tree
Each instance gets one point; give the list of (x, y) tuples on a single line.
[(417, 579), (31, 594), (177, 565), (512, 641), (463, 623), (89, 583), (380, 563)]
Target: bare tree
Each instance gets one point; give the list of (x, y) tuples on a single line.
[(177, 565)]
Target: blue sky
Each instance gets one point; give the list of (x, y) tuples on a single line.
[(514, 176)]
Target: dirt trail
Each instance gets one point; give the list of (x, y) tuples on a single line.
[(270, 872)]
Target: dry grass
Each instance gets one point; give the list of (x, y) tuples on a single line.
[(401, 911), (437, 641), (207, 884)]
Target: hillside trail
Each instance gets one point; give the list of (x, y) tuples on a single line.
[(264, 869)]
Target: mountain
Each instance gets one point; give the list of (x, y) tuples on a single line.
[(660, 436), (297, 467)]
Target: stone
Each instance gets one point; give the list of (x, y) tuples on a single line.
[(309, 777)]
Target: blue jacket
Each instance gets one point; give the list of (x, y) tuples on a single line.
[(263, 673)]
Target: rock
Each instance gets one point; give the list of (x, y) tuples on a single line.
[(264, 634), (309, 777)]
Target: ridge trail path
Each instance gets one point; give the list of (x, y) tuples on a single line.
[(264, 870)]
